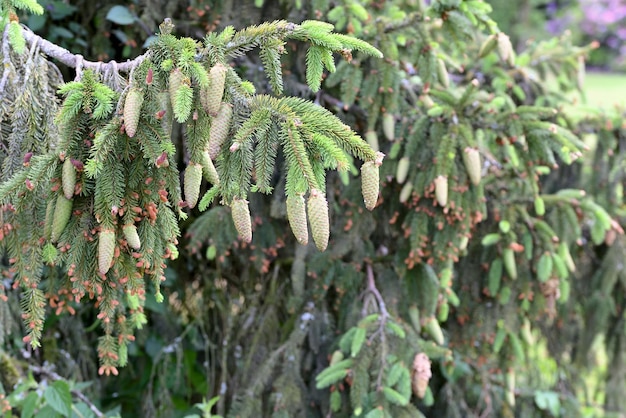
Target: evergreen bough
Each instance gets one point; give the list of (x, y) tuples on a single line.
[(110, 184)]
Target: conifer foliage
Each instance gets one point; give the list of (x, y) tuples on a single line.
[(492, 257), (111, 185)]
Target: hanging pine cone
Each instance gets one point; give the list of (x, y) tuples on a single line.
[(219, 129), (68, 178), (241, 217), (389, 126), (175, 81), (370, 179), (62, 213), (420, 374), (209, 170), (106, 249), (132, 109), (193, 180), (402, 172), (471, 159), (318, 218), (432, 327), (441, 190), (296, 214), (131, 235), (211, 96)]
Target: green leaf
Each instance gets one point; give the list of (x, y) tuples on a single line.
[(58, 396), (548, 400), (120, 15), (29, 405), (46, 412), (81, 410)]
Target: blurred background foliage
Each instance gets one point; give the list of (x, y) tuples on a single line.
[(255, 324)]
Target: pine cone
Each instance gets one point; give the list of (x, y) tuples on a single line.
[(211, 96), (62, 213), (241, 218), (433, 329), (106, 249), (132, 237), (318, 218), (441, 190), (389, 126), (132, 109), (296, 213), (220, 127), (371, 137), (193, 180), (505, 49), (406, 192), (175, 81), (508, 257), (68, 178), (209, 170), (421, 374), (370, 183), (489, 45), (471, 159), (402, 171)]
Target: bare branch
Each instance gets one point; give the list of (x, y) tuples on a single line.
[(384, 316), (75, 60)]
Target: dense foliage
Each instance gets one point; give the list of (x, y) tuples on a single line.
[(486, 281)]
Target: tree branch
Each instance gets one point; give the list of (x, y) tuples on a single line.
[(384, 316), (76, 60)]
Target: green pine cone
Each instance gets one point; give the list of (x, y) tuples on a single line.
[(193, 180), (489, 45), (296, 214), (505, 48), (62, 213), (68, 178), (106, 249), (508, 256), (318, 218), (370, 179), (211, 97), (389, 126), (406, 192), (132, 109), (441, 190), (432, 327), (131, 235), (471, 159), (209, 170), (371, 137), (241, 217), (175, 81), (220, 126), (402, 172)]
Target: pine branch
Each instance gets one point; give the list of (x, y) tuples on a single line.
[(76, 60)]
